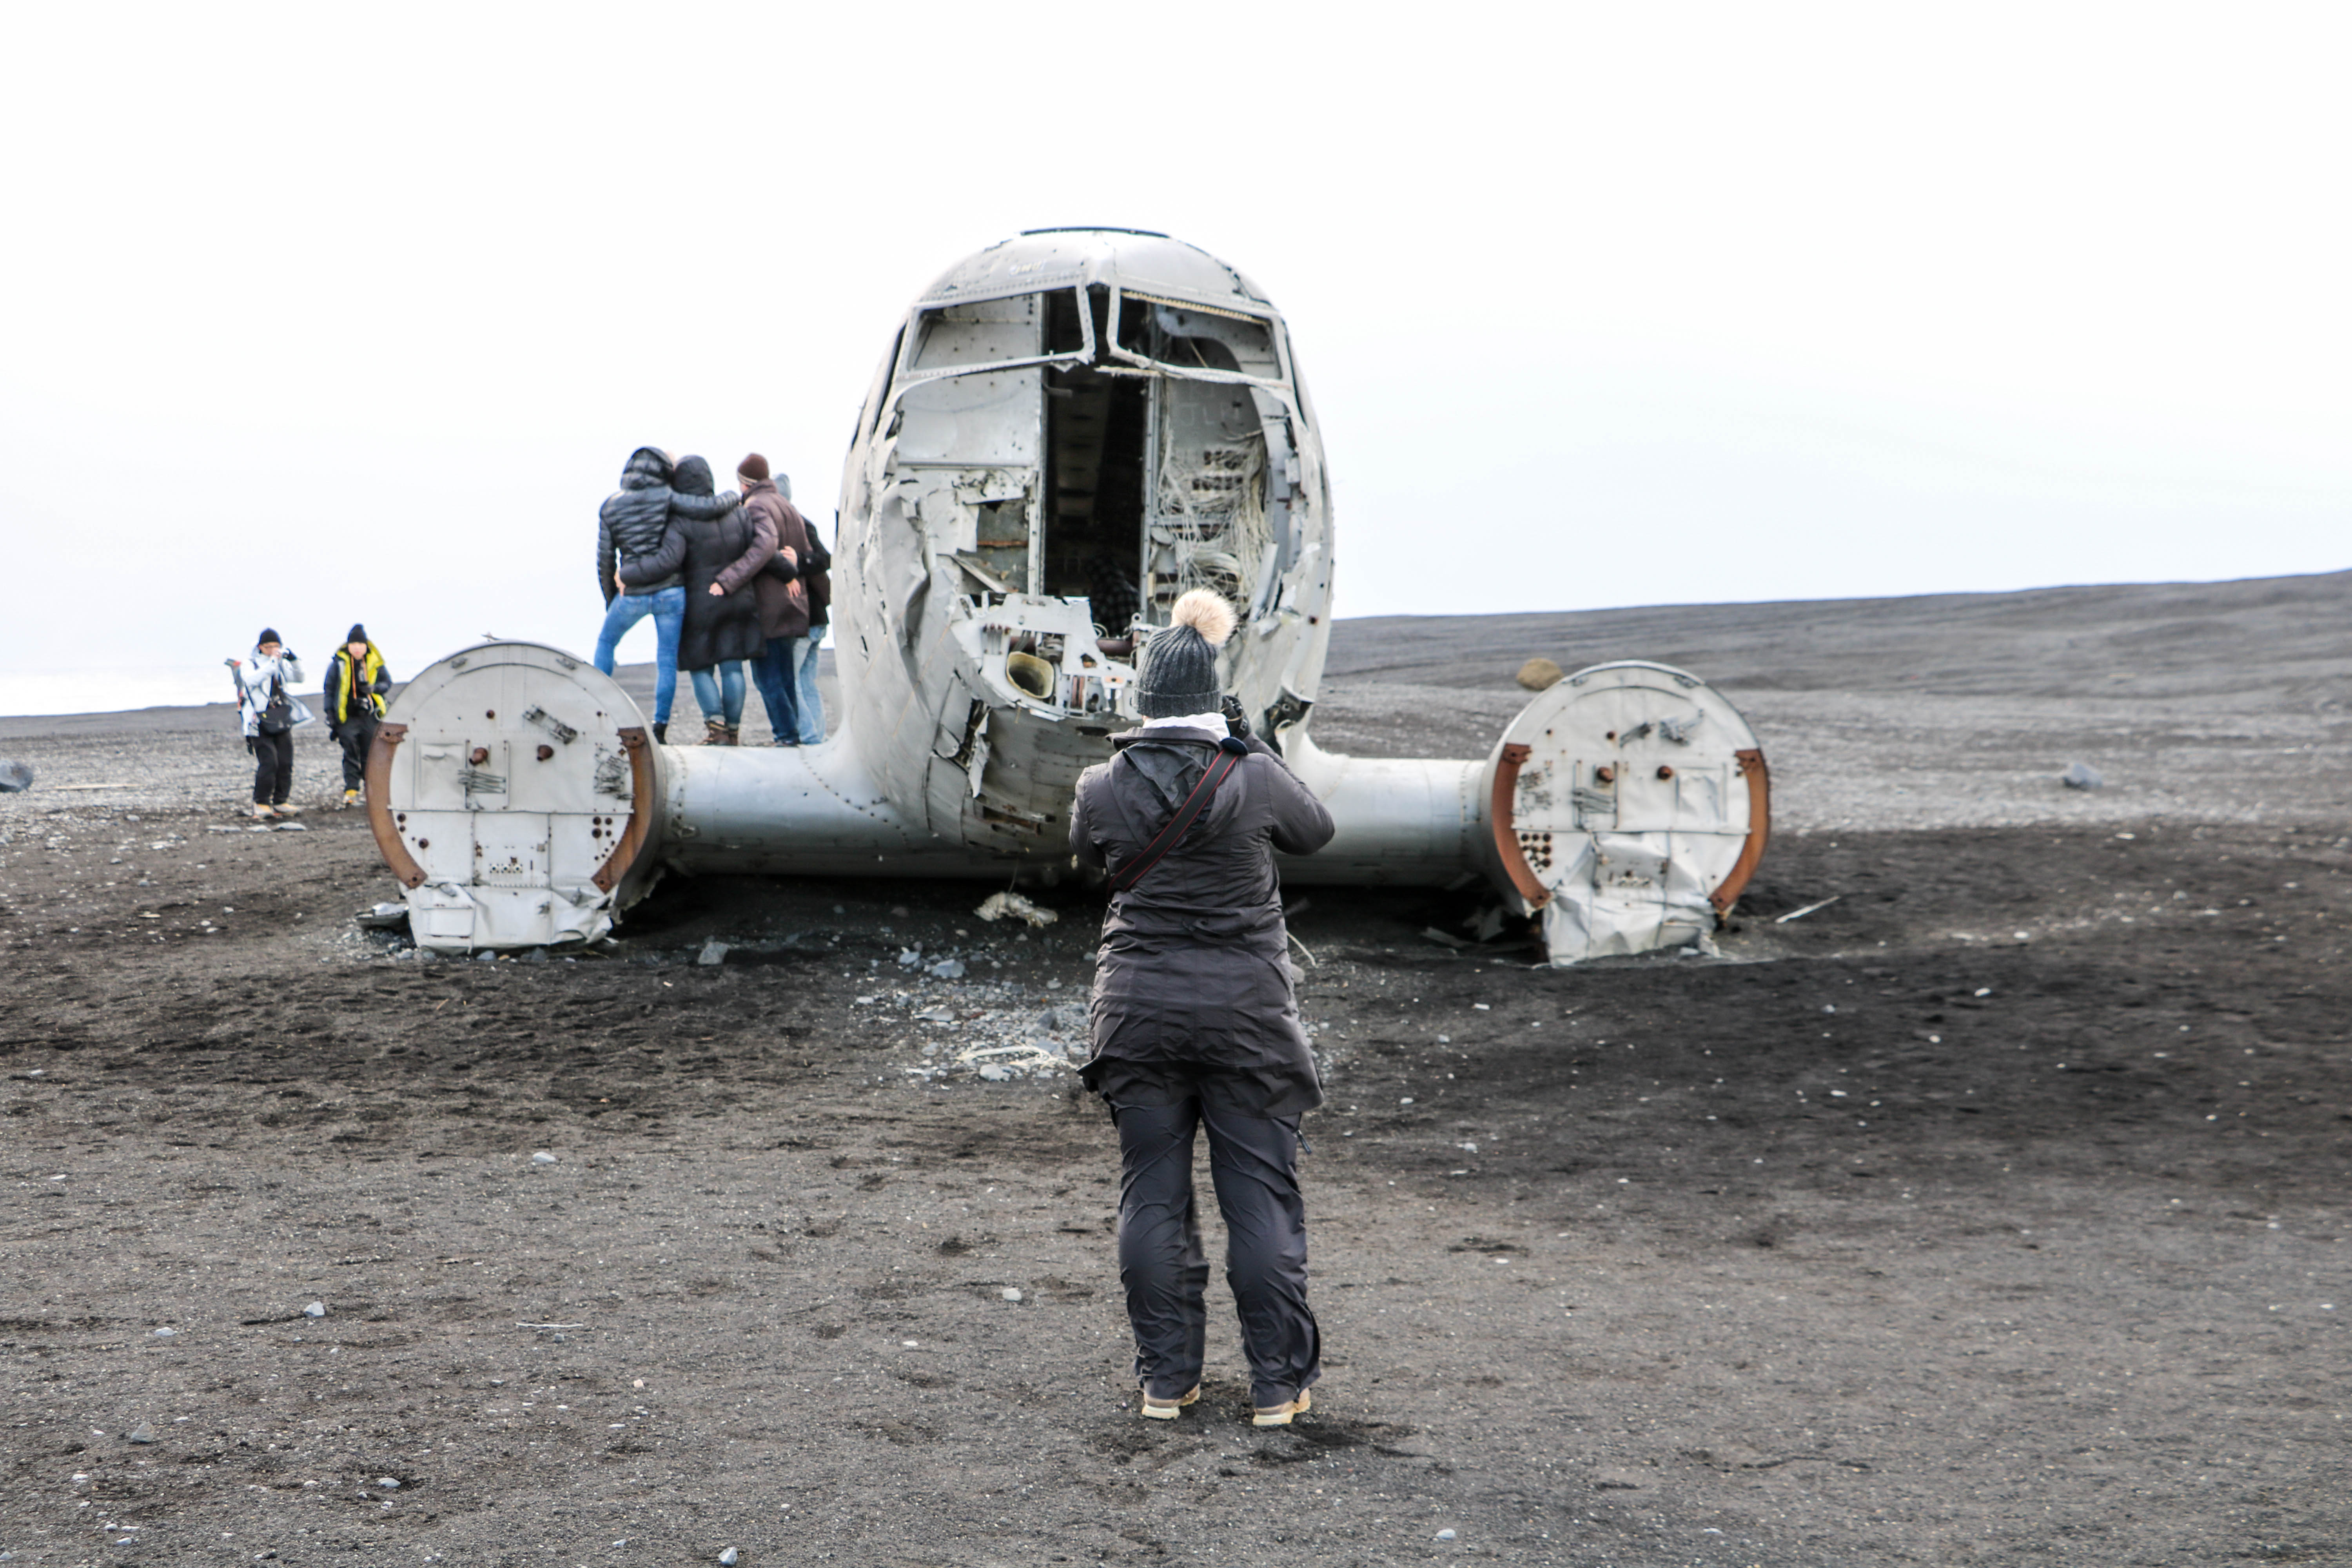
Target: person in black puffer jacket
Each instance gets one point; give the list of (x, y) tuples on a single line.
[(635, 534), (718, 556)]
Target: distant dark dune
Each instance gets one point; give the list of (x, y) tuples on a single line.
[(2281, 635)]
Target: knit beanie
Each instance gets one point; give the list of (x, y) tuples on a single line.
[(269, 634), (754, 468), (1178, 672), (357, 634)]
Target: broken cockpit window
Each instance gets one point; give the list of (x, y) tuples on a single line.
[(1191, 339), (976, 334)]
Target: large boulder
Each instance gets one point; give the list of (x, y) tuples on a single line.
[(1539, 674)]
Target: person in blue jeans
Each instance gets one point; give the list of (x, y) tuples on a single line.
[(808, 706), (782, 596), (634, 530), (717, 556), (816, 575), (667, 607)]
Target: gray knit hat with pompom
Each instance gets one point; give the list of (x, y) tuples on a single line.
[(1177, 673)]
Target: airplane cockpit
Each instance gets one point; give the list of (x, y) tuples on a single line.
[(1083, 424)]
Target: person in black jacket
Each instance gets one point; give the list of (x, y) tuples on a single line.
[(633, 531), (717, 557), (816, 575), (1195, 1022), (356, 683)]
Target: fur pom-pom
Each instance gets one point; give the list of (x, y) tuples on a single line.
[(1206, 613)]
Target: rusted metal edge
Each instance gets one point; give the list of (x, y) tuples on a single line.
[(1533, 893), (1759, 829), (641, 809), (396, 858)]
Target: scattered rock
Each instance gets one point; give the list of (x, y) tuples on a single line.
[(1448, 1534), (167, 1333), (16, 777), (713, 953), (1009, 1294), (1068, 1020), (728, 1558), (142, 1432), (2081, 776), (315, 1310), (1618, 1480), (389, 1483), (1539, 674), (946, 969), (486, 956), (996, 906), (935, 1016), (542, 1157)]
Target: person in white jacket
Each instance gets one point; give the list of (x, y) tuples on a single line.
[(267, 711)]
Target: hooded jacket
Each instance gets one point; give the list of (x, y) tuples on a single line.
[(373, 681), (725, 549), (1192, 983), (782, 596), (256, 678), (633, 526)]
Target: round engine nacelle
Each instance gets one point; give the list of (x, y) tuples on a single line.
[(512, 789), (1628, 803)]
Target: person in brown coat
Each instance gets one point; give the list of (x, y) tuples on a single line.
[(783, 596), (722, 615), (1195, 1021)]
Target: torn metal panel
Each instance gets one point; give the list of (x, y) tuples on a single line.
[(1622, 808), (505, 793)]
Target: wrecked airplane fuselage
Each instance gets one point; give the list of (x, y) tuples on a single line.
[(1071, 429)]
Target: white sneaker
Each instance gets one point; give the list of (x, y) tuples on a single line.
[(1157, 1409), (1280, 1415)]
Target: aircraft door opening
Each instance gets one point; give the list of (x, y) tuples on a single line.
[(1098, 443)]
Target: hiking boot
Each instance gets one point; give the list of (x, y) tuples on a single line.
[(263, 811), (285, 808), (661, 733), (714, 733), (1280, 1415), (734, 735), (351, 798), (1157, 1408)]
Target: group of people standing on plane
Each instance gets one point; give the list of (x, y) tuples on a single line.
[(731, 579)]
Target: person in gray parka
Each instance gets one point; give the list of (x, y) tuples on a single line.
[(1195, 1021)]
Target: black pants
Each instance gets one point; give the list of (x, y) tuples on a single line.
[(273, 767), (1253, 1163), (357, 735)]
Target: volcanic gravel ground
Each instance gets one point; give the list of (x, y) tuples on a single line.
[(1993, 1213)]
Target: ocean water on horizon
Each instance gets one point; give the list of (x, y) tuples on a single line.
[(25, 693)]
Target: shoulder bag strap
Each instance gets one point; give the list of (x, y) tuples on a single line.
[(1151, 853)]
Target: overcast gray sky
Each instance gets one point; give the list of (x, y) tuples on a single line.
[(314, 315)]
